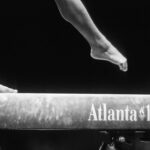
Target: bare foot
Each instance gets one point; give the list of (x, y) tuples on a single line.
[(110, 54), (4, 89)]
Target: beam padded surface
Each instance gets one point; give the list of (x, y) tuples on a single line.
[(74, 111)]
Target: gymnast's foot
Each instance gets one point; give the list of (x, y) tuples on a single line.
[(4, 89), (109, 53)]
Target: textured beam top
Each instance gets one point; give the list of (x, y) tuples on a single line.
[(74, 111)]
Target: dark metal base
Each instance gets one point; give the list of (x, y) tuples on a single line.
[(125, 140), (74, 140)]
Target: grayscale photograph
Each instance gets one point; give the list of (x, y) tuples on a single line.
[(74, 75)]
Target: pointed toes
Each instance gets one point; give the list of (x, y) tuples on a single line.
[(124, 66)]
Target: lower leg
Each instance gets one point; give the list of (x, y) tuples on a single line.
[(75, 12)]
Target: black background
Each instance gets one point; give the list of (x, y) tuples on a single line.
[(40, 52)]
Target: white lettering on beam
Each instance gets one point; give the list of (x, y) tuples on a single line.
[(102, 113)]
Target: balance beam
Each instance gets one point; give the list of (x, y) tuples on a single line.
[(74, 111)]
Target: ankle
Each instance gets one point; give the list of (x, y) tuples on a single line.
[(101, 45)]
